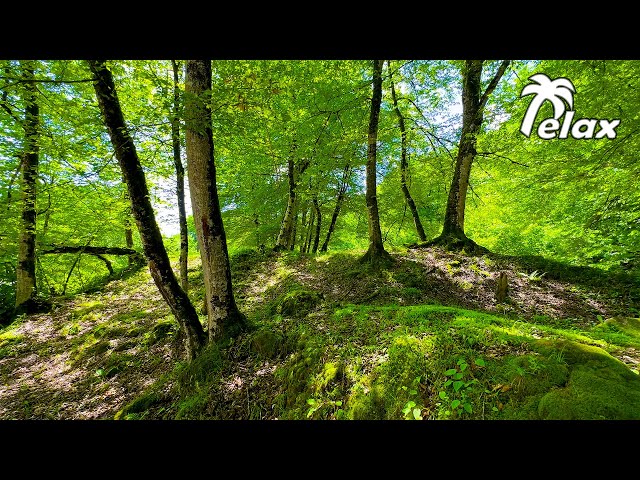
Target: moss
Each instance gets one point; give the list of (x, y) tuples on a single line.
[(599, 387), (295, 303), (160, 331), (332, 372), (593, 394), (385, 393), (266, 343), (200, 372), (86, 307), (193, 407), (97, 348), (296, 378), (140, 405)]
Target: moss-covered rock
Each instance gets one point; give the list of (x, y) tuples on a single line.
[(599, 387)]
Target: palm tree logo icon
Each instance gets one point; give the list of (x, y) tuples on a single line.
[(556, 91)]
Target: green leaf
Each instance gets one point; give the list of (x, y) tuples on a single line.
[(463, 367), (442, 395), (410, 404), (448, 382), (311, 401), (457, 385), (451, 371), (416, 414), (338, 403), (455, 404), (495, 409), (467, 408), (457, 376), (480, 362), (406, 410), (413, 392)]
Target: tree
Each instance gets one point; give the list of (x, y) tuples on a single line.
[(26, 268), (473, 104), (142, 210), (376, 253), (224, 316), (404, 166), (182, 215)]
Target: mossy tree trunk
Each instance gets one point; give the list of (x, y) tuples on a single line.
[(142, 210), (376, 253), (404, 164), (182, 214), (26, 267), (473, 103), (224, 317)]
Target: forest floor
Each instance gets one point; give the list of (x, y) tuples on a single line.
[(332, 338)]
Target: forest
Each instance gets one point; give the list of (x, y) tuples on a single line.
[(319, 239)]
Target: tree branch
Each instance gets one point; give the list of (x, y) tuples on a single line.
[(492, 85)]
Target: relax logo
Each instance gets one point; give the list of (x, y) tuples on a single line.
[(558, 92)]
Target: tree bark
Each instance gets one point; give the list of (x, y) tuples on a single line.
[(142, 210), (316, 239), (26, 267), (286, 228), (404, 164), (224, 317), (473, 103), (182, 214), (294, 232), (376, 252), (303, 231), (336, 211), (309, 232)]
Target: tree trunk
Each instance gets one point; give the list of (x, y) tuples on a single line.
[(473, 103), (182, 214), (336, 210), (376, 252), (294, 231), (128, 232), (287, 222), (26, 269), (150, 235), (309, 233), (471, 122), (224, 317), (404, 164), (303, 226), (316, 239)]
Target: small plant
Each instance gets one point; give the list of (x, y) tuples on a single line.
[(315, 405), (535, 276), (411, 410), (457, 388)]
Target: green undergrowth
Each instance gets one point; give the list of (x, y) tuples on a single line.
[(418, 362), (308, 356)]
